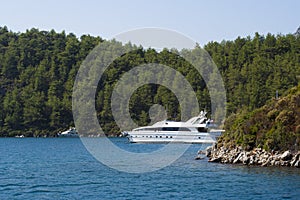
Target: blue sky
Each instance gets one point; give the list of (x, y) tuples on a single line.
[(203, 21)]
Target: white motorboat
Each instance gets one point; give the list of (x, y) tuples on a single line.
[(69, 133), (198, 129), (19, 136)]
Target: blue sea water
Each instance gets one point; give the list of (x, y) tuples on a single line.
[(61, 168)]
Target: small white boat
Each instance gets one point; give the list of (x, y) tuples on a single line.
[(68, 133), (198, 129), (20, 136)]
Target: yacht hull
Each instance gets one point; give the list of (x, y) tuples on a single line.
[(178, 137)]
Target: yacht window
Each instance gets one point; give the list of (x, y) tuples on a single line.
[(160, 136), (170, 128), (150, 129), (175, 129), (202, 129), (166, 136), (184, 129)]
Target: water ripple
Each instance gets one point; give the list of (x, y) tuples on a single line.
[(63, 169)]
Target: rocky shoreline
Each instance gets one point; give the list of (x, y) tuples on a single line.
[(257, 156)]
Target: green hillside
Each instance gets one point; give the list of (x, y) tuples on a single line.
[(274, 126)]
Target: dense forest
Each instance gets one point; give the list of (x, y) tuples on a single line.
[(38, 69)]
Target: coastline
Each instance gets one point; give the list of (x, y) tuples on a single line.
[(255, 157)]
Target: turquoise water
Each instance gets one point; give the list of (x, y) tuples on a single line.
[(61, 168)]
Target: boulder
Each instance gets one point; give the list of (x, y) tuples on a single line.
[(198, 157), (272, 163), (261, 161), (200, 152), (238, 158), (266, 163), (284, 163), (208, 151), (286, 156), (297, 164), (215, 159), (295, 159), (245, 159)]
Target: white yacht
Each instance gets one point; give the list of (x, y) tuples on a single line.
[(198, 129), (69, 133)]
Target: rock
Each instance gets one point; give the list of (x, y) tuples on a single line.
[(208, 151), (215, 159), (265, 155), (245, 159), (200, 152), (261, 161), (266, 163), (297, 164), (284, 163), (276, 157), (251, 160), (199, 157), (237, 160), (231, 157), (286, 156), (295, 159), (257, 149), (272, 163)]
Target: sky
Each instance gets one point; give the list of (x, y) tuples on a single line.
[(201, 20)]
